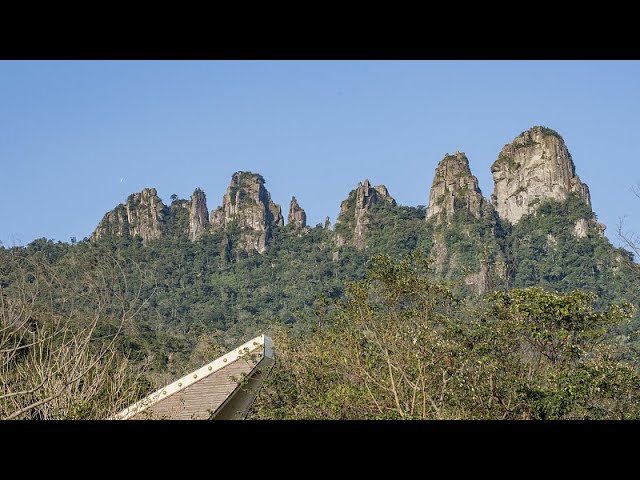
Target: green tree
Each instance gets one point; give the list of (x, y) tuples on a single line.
[(400, 346)]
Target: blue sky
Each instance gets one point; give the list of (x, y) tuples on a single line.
[(77, 137)]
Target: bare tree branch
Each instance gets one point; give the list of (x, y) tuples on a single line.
[(53, 364)]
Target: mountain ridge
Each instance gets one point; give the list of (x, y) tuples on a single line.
[(534, 167), (471, 239)]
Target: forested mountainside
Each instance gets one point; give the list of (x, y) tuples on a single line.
[(221, 276)]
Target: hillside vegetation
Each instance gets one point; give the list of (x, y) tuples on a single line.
[(518, 307)]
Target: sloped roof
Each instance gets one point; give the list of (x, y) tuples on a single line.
[(224, 388)]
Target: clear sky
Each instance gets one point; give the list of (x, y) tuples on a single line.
[(77, 137)]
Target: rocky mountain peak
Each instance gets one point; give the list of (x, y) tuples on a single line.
[(198, 214), (248, 203), (354, 211), (143, 215), (455, 188), (297, 216), (536, 166)]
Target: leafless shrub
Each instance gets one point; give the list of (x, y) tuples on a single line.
[(59, 336)]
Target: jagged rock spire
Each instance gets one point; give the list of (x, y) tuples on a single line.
[(198, 214), (354, 211), (297, 216), (248, 203), (454, 188)]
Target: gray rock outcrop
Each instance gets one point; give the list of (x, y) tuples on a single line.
[(198, 214), (454, 189), (297, 216), (248, 203), (536, 166), (143, 215), (581, 229), (354, 211)]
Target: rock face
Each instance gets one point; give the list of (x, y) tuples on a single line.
[(536, 166), (143, 215), (454, 189), (198, 215), (455, 199), (297, 216), (114, 223), (248, 203), (581, 229), (354, 211)]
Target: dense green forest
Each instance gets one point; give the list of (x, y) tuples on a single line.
[(401, 346), (173, 304)]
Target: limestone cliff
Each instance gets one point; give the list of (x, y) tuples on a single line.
[(455, 189), (198, 215), (248, 204), (353, 220), (297, 216), (143, 215), (536, 166)]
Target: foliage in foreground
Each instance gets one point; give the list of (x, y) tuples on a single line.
[(60, 340), (399, 346)]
